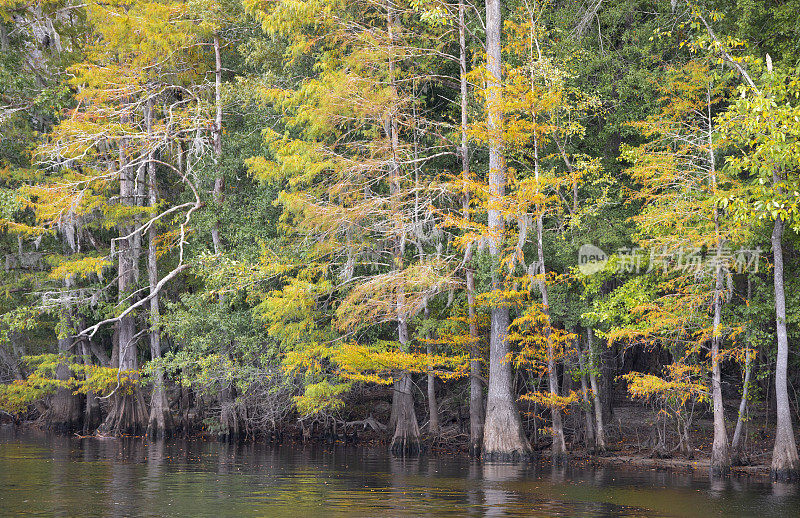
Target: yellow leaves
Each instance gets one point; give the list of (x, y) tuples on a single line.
[(377, 363), (550, 400), (42, 381), (672, 392), (80, 268), (321, 397), (537, 339)]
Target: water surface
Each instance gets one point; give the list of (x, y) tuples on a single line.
[(48, 475)]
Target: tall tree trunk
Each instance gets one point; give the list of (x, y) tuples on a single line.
[(476, 405), (160, 422), (559, 445), (587, 405), (737, 441), (600, 435), (405, 441), (785, 463), (4, 43), (127, 414), (406, 438), (720, 451), (503, 436), (219, 180)]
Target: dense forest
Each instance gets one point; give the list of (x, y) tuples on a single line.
[(486, 226)]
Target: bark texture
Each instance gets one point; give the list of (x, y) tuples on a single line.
[(785, 463), (503, 437), (405, 441)]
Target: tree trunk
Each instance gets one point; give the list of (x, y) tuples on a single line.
[(720, 452), (600, 435), (4, 43), (433, 410), (559, 445), (65, 407), (476, 405), (503, 437), (405, 441), (587, 405), (91, 413), (127, 414), (785, 463), (219, 180), (737, 442), (160, 422)]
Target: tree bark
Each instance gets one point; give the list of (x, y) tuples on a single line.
[(737, 441), (433, 410), (600, 435), (405, 441), (66, 415), (720, 451), (587, 405), (219, 180), (476, 405), (160, 423), (127, 414), (503, 436), (785, 463)]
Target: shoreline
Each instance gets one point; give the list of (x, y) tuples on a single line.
[(618, 459)]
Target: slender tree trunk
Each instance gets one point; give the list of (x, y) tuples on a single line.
[(720, 451), (600, 435), (4, 43), (785, 463), (559, 444), (736, 443), (219, 180), (433, 410), (476, 405), (160, 422), (587, 405), (503, 436)]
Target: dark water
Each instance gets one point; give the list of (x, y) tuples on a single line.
[(46, 475)]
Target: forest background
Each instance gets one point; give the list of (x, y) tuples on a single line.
[(495, 226)]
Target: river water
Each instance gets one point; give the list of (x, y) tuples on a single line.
[(47, 475)]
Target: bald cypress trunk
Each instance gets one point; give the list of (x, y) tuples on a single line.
[(785, 463), (66, 412), (503, 436), (406, 438), (160, 421), (127, 414)]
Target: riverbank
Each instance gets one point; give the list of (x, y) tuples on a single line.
[(48, 475)]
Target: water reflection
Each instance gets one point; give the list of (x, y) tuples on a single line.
[(57, 476)]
